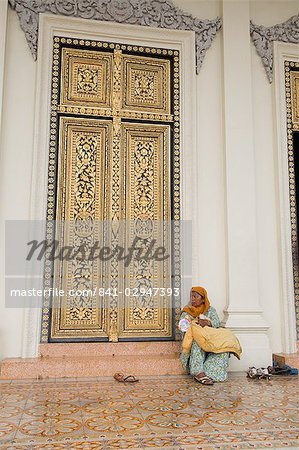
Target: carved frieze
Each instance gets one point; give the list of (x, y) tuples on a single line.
[(263, 38), (151, 13)]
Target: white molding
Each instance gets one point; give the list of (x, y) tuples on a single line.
[(51, 25), (283, 52), (38, 194), (3, 24)]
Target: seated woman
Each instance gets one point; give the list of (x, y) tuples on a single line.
[(204, 367)]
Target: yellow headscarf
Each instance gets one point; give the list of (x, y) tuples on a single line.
[(202, 309)]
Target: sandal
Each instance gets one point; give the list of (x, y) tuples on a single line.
[(128, 379), (206, 381), (263, 373), (252, 372)]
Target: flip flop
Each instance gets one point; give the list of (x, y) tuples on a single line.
[(263, 373), (206, 381), (252, 372), (122, 379)]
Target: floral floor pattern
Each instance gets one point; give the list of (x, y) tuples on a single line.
[(155, 413)]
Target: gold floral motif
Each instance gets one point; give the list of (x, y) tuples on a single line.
[(87, 82), (86, 78), (147, 84), (294, 81), (144, 85)]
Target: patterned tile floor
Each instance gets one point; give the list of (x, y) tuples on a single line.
[(164, 412)]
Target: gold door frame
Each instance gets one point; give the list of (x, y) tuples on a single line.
[(103, 111), (292, 108)]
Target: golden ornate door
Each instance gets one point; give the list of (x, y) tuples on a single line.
[(113, 178)]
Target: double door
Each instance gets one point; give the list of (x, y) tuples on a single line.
[(115, 123)]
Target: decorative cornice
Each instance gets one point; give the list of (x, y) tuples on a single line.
[(263, 38), (151, 13)]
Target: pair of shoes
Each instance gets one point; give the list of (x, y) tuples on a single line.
[(261, 373)]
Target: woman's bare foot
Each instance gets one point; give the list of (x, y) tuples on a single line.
[(202, 378)]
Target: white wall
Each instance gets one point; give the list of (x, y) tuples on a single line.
[(271, 12), (16, 159), (211, 226), (268, 13)]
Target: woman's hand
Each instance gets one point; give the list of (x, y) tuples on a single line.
[(204, 322)]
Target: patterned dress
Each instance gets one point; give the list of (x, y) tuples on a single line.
[(215, 365)]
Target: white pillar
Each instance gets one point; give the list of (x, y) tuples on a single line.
[(243, 313), (3, 21)]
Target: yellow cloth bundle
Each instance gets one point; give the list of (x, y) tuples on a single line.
[(212, 340)]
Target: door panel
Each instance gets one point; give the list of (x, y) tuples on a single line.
[(146, 84), (83, 195), (146, 150)]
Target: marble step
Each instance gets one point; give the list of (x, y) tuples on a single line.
[(89, 366), (110, 348), (98, 360)]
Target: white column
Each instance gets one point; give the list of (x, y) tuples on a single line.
[(3, 21), (243, 313)]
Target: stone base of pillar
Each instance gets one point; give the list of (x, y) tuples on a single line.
[(252, 332)]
